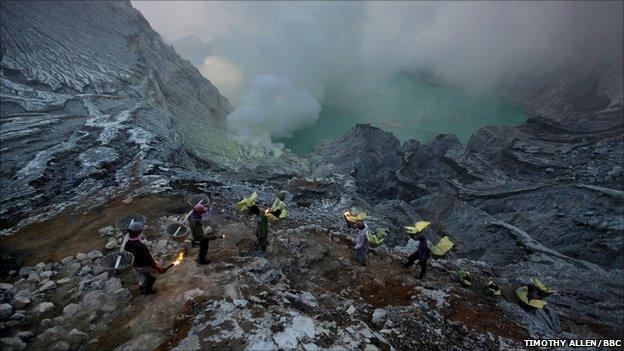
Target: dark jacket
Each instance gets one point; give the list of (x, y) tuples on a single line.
[(142, 256), (423, 253)]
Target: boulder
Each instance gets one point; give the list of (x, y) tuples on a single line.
[(81, 256), (20, 302), (112, 285), (60, 346), (12, 344), (5, 286), (379, 317), (25, 335), (63, 281), (94, 254), (52, 334), (85, 270), (46, 274), (33, 277), (70, 310), (112, 244), (97, 269), (25, 271), (5, 311), (43, 307), (49, 285), (76, 336), (67, 260), (18, 315), (230, 292)]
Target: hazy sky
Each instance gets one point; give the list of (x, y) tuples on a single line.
[(306, 47)]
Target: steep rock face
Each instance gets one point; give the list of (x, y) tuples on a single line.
[(587, 83), (90, 97), (368, 154)]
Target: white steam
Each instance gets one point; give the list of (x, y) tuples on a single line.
[(310, 47), (273, 108)]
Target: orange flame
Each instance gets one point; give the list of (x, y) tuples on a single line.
[(179, 259)]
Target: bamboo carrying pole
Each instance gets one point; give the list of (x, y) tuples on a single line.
[(121, 249)]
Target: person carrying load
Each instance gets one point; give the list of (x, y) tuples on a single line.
[(144, 263), (198, 233), (361, 239), (423, 252), (275, 212)]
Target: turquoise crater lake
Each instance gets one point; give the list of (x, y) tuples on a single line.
[(407, 107)]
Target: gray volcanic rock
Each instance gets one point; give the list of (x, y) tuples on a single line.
[(368, 154), (90, 96), (543, 199)]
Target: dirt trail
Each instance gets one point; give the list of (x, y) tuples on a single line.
[(69, 233)]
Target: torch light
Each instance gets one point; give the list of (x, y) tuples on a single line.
[(177, 261)]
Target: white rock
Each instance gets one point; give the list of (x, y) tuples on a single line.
[(379, 317), (230, 292), (20, 302), (6, 286), (12, 343), (67, 260), (40, 265), (46, 274), (351, 309), (85, 270), (43, 307), (192, 294), (81, 256), (240, 303), (33, 277), (49, 285), (5, 311), (111, 245), (63, 281), (94, 254), (70, 310)]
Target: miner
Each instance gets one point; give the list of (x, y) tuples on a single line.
[(198, 233), (144, 263), (421, 255)]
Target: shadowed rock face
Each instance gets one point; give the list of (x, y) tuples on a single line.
[(541, 199), (82, 81)]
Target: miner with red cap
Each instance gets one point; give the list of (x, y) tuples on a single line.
[(197, 230)]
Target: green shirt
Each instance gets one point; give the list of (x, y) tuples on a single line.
[(263, 224)]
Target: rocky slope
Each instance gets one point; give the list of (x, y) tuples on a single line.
[(91, 96)]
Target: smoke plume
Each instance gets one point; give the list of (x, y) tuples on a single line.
[(273, 60)]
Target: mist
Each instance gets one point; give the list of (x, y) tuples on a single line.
[(275, 61)]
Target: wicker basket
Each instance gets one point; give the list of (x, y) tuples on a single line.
[(124, 222), (182, 234), (108, 262)]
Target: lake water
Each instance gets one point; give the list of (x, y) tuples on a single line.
[(407, 107)]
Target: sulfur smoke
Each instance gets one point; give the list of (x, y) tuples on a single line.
[(276, 60)]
